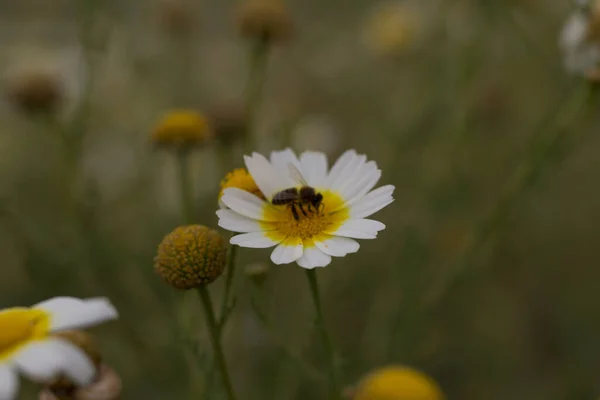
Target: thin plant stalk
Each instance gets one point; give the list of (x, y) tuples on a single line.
[(226, 307), (225, 304), (334, 386), (215, 339), (209, 314), (187, 199), (256, 81), (293, 356), (573, 106)]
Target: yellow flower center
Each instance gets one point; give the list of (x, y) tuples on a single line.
[(19, 326), (241, 179), (280, 223)]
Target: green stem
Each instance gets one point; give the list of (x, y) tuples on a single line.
[(290, 354), (185, 183), (256, 81), (334, 387), (231, 264), (214, 332)]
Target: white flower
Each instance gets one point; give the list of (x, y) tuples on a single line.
[(307, 234), (581, 52), (28, 347)]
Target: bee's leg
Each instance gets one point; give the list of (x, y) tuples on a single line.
[(310, 208), (321, 208), (302, 209), (294, 211)]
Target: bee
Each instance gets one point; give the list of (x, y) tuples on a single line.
[(305, 198)]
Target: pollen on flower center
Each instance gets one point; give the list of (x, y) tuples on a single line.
[(20, 325), (284, 225), (305, 227)]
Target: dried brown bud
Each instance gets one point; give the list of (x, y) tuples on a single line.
[(257, 272), (228, 122), (265, 20), (176, 17), (84, 342), (107, 386), (36, 92)]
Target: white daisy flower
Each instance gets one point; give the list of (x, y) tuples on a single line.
[(309, 234), (28, 347), (579, 41)]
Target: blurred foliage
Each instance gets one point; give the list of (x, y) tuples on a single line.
[(483, 277)]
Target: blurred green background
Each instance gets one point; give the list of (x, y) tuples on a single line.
[(484, 277)]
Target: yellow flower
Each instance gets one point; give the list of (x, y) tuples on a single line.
[(241, 179), (392, 28), (266, 20), (397, 383), (191, 256), (181, 129)]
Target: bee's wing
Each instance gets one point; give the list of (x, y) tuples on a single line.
[(287, 195), (296, 175)]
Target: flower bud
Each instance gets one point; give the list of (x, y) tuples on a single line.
[(397, 383), (85, 342), (181, 129), (265, 20), (107, 386), (191, 256), (36, 92)]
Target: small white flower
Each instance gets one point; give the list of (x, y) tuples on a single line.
[(304, 233), (28, 347), (581, 53)]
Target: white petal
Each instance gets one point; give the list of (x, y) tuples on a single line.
[(256, 240), (74, 313), (372, 202), (349, 174), (46, 360), (359, 229), (9, 383), (288, 251), (339, 166), (244, 203), (281, 159), (232, 221), (338, 246), (574, 31), (312, 258), (268, 179), (364, 180), (314, 167)]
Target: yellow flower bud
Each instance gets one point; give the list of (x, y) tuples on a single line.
[(241, 179), (181, 129), (397, 383), (191, 256)]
